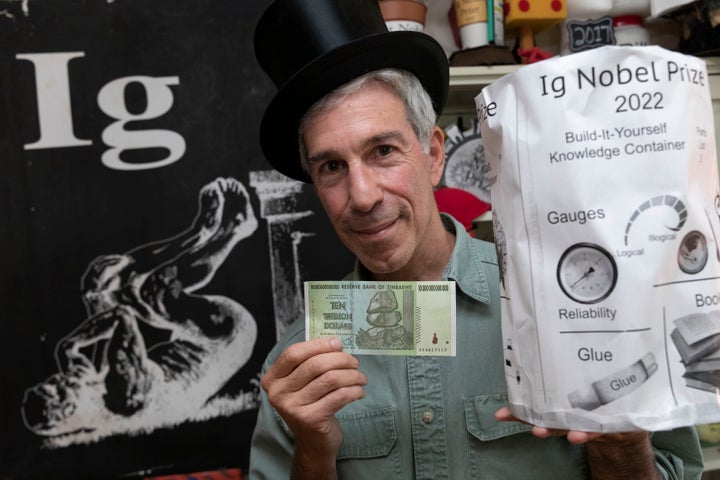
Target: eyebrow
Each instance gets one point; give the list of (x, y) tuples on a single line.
[(378, 139)]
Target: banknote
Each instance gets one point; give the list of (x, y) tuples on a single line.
[(383, 318)]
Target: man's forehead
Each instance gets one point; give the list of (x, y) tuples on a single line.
[(362, 119)]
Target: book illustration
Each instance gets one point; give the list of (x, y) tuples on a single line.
[(697, 339)]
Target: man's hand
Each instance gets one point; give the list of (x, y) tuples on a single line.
[(625, 455), (308, 383)]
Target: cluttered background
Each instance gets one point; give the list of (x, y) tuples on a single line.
[(136, 201)]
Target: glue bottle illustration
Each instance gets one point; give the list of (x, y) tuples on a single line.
[(615, 385)]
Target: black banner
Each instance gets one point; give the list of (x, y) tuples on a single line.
[(149, 254)]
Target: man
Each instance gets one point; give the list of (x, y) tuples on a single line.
[(369, 144)]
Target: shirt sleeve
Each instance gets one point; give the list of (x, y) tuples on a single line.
[(272, 445), (678, 455), (271, 450)]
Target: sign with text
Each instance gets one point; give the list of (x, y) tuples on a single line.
[(607, 224)]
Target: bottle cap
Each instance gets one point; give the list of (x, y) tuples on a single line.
[(651, 366), (403, 10), (584, 398), (627, 20)]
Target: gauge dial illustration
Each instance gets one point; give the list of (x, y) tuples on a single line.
[(693, 252), (587, 273)]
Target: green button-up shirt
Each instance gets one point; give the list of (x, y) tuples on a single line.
[(432, 418)]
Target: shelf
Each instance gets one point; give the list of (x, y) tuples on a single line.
[(466, 83), (470, 76)]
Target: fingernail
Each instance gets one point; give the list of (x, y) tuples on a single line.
[(335, 343)]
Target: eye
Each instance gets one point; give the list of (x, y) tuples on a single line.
[(331, 166), (385, 150)]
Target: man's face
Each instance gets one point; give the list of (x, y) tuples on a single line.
[(374, 180)]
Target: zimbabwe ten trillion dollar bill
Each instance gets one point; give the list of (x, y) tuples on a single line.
[(383, 318)]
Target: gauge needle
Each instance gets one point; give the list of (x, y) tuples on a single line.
[(585, 275)]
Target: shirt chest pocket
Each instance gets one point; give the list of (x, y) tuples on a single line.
[(369, 434), (507, 449), (480, 417)]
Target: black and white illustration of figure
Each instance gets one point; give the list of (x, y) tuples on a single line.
[(110, 378)]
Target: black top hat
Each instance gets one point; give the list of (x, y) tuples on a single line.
[(311, 47)]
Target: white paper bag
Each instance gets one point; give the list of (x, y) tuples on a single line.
[(606, 214)]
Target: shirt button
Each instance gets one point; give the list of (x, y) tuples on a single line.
[(427, 417)]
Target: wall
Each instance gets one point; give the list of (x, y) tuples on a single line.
[(149, 256)]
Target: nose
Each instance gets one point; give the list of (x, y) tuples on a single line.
[(364, 188)]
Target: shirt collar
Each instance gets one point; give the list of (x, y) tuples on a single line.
[(466, 262), (465, 266)]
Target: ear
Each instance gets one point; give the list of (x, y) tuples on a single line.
[(437, 155)]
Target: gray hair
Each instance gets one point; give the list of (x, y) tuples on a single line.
[(418, 105)]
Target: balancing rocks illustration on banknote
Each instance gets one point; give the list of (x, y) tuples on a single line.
[(383, 318)]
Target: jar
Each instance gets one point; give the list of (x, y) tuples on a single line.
[(631, 7), (585, 9), (629, 30), (472, 21), (407, 15)]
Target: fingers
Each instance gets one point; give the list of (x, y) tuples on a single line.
[(544, 432), (333, 398), (310, 382), (504, 415), (579, 438), (310, 371), (574, 436), (296, 354), (326, 372), (318, 376)]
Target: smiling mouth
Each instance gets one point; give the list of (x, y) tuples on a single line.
[(374, 230)]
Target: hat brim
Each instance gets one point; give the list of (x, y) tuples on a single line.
[(416, 52)]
